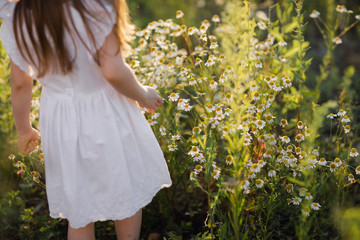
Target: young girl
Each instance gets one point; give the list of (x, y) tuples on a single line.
[(102, 160)]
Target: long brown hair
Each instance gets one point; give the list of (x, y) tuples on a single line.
[(46, 23)]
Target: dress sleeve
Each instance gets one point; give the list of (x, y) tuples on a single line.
[(102, 24), (8, 39)]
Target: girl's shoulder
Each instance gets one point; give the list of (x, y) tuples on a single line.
[(6, 9)]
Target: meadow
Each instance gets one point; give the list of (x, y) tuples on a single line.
[(259, 125)]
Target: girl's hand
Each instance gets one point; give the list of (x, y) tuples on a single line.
[(151, 100), (28, 141)]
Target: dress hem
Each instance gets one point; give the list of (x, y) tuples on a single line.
[(145, 202)]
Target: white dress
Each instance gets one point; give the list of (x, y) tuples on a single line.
[(102, 160)]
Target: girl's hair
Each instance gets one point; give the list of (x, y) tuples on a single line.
[(46, 23)]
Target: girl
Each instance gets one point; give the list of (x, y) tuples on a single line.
[(102, 160)]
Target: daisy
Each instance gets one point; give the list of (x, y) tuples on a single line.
[(253, 87), (337, 40), (172, 147), (296, 200), (322, 162), (255, 168), (192, 81), (11, 157), (213, 84), (162, 130), (251, 174), (228, 97), (337, 162), (347, 128), (187, 107), (199, 157), (179, 14), (213, 45), (299, 138), (203, 37), (198, 169), (282, 43), (345, 119), (194, 150), (209, 63), (314, 14), (261, 25), (258, 64), (272, 173), (357, 170), (215, 18), (210, 108), (331, 116), (308, 196), (306, 211), (283, 123), (259, 183), (315, 206), (285, 139), (351, 177), (245, 185), (175, 137), (353, 152), (341, 113), (198, 61), (289, 187), (302, 192), (192, 31), (260, 124), (332, 167)]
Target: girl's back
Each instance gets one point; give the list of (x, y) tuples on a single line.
[(102, 160)]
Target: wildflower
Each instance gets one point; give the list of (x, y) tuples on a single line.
[(347, 128), (259, 183), (198, 169), (289, 187), (213, 84), (228, 97), (341, 9), (162, 130), (175, 137), (308, 196), (192, 31), (216, 173), (229, 69), (255, 168), (287, 82), (35, 176), (272, 173), (203, 29), (337, 40), (179, 14), (357, 17), (337, 162), (341, 113), (209, 63), (282, 43), (261, 25), (192, 81), (258, 64), (315, 206), (260, 124), (285, 139), (353, 152), (213, 45), (253, 87), (187, 107), (331, 116), (357, 170), (307, 132), (268, 154), (345, 119), (229, 159), (306, 211), (245, 185), (18, 164), (199, 157), (283, 122), (332, 167), (210, 108), (314, 14), (299, 138), (172, 147), (322, 162), (11, 157), (300, 125), (302, 192), (351, 177), (296, 200), (260, 108), (251, 174), (221, 58), (282, 59), (215, 18), (151, 122), (203, 37), (194, 150), (277, 87)]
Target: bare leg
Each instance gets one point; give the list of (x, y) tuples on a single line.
[(129, 228), (84, 233)]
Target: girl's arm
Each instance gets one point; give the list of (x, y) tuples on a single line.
[(121, 77), (21, 96)]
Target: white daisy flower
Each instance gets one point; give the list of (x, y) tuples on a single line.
[(272, 173), (213, 84), (337, 162), (258, 64), (282, 43), (194, 150), (341, 113), (357, 170), (337, 40), (296, 200), (314, 14), (351, 177), (261, 25), (331, 116), (353, 152), (345, 119), (315, 206), (308, 196), (179, 14), (347, 128), (172, 147), (259, 183), (215, 18), (213, 45), (322, 162)]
